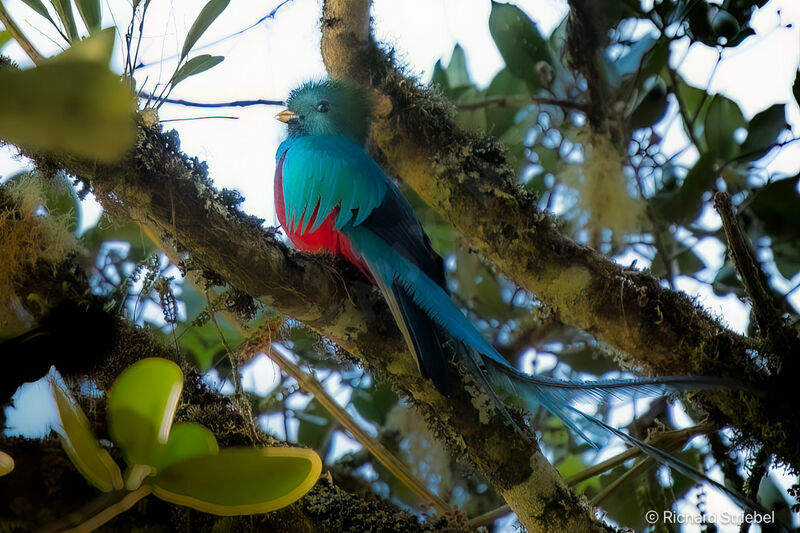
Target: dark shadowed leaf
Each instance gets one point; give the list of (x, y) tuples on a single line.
[(196, 65), (796, 87), (315, 427), (722, 119), (684, 204), (374, 402), (92, 461), (207, 16), (650, 110), (91, 14), (787, 258), (777, 205), (763, 131), (519, 41), (240, 481)]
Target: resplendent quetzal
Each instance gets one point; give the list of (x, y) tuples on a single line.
[(332, 197)]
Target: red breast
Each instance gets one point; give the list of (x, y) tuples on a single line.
[(325, 239)]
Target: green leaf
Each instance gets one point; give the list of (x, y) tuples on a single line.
[(39, 7), (722, 119), (186, 441), (314, 428), (650, 110), (91, 14), (196, 65), (683, 205), (696, 102), (501, 117), (106, 230), (777, 205), (141, 406), (95, 49), (6, 464), (240, 481), (763, 131), (93, 462), (374, 402), (64, 11), (207, 16), (5, 38), (80, 108), (787, 258), (519, 41)]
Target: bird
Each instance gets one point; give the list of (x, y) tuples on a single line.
[(332, 197)]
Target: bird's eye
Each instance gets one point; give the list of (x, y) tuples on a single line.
[(323, 106)]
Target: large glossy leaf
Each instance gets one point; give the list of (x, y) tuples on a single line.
[(519, 41), (207, 16), (763, 132), (92, 461), (240, 481), (91, 14), (196, 65), (722, 119), (6, 464), (77, 107), (141, 406), (186, 441)]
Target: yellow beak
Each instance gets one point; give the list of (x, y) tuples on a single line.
[(286, 115)]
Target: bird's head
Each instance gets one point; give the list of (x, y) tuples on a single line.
[(330, 107)]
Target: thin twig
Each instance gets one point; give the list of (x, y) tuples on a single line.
[(309, 384), (235, 103), (18, 36), (99, 511), (266, 17)]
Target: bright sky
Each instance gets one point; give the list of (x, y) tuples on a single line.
[(266, 62)]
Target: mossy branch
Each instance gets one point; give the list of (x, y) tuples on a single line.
[(465, 177)]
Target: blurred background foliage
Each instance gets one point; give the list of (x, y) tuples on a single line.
[(607, 168)]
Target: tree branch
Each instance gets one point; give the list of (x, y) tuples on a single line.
[(782, 340), (466, 178)]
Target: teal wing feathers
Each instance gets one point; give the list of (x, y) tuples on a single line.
[(321, 173)]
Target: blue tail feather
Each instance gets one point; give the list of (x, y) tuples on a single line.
[(397, 275)]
